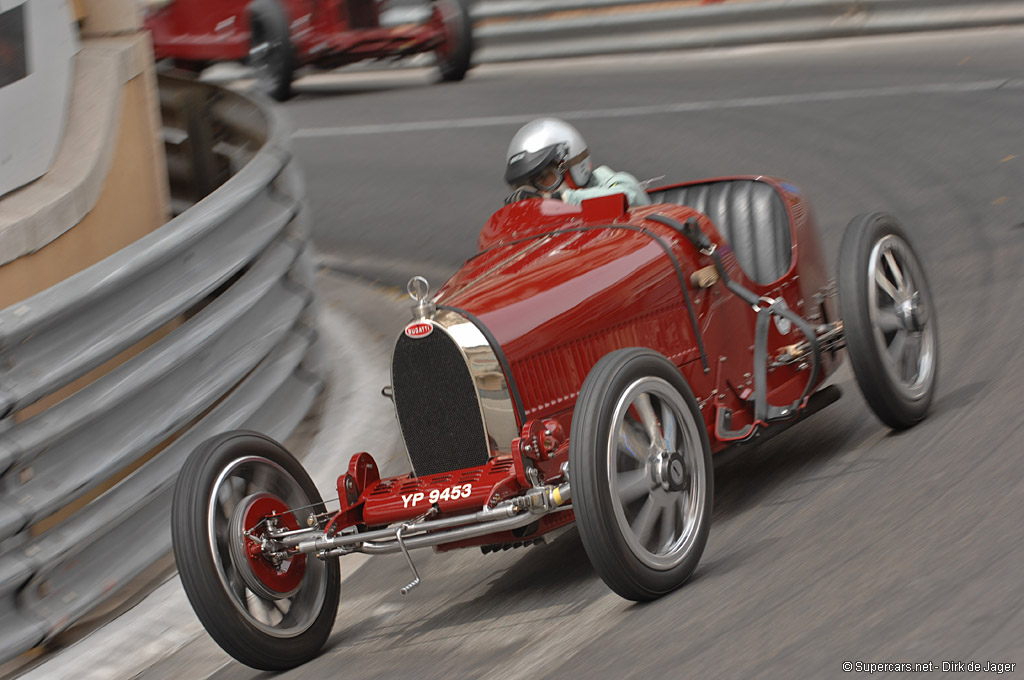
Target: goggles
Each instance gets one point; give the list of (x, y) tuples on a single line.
[(548, 179)]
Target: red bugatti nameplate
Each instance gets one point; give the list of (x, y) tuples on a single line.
[(419, 329)]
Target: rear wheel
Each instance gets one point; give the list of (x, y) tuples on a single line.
[(888, 319), (641, 475), (270, 49), (268, 613), (456, 52)]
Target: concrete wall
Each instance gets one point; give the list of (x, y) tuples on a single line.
[(108, 184), (38, 42)]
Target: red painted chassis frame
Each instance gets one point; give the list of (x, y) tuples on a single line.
[(325, 33), (726, 323)]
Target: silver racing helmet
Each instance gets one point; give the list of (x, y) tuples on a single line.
[(543, 151)]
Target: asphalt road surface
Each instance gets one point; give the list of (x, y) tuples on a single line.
[(836, 541)]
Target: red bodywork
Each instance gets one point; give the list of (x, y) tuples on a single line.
[(328, 33), (559, 287)]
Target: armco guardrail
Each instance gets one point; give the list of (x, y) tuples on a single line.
[(518, 30), (515, 30), (222, 295)]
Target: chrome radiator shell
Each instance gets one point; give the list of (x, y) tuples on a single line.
[(451, 397)]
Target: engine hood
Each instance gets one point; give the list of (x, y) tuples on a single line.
[(531, 293), (558, 296)]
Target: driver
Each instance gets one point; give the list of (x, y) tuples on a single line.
[(548, 158)]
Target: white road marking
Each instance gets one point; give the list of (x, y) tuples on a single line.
[(659, 109)]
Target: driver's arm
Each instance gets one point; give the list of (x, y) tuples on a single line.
[(608, 183)]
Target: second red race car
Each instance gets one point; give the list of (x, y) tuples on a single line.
[(276, 37)]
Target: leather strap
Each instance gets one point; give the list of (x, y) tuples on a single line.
[(764, 412)]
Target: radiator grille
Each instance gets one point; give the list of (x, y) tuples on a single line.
[(437, 405)]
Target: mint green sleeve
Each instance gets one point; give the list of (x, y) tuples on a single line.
[(611, 183)]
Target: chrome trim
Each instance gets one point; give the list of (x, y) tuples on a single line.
[(428, 533), (492, 391), (419, 291), (405, 551)]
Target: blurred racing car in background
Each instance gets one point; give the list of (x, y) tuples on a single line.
[(582, 367), (278, 36)]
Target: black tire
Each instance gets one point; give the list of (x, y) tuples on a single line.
[(234, 468), (888, 319), (615, 494), (190, 65), (270, 49), (455, 54)]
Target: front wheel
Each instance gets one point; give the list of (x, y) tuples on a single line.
[(455, 53), (270, 613), (888, 319), (641, 475)]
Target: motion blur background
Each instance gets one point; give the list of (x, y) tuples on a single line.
[(178, 258)]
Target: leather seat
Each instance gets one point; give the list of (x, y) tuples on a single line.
[(751, 217)]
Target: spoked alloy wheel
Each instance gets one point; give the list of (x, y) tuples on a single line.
[(888, 320), (269, 613), (641, 474)]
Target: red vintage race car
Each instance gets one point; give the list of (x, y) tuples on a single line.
[(278, 36), (583, 366)]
